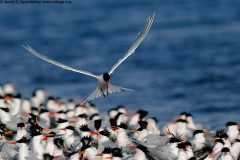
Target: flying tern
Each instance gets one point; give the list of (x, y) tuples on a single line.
[(104, 88)]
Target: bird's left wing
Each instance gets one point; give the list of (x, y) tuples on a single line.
[(45, 58), (136, 43)]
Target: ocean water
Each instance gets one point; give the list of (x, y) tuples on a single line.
[(189, 61)]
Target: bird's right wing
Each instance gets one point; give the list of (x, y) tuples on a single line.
[(31, 50), (141, 35)]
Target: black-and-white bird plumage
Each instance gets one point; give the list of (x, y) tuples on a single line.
[(104, 87)]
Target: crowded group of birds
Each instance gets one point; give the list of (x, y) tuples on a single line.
[(44, 127)]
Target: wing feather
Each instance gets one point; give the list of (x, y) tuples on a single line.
[(141, 35), (97, 93), (45, 58)]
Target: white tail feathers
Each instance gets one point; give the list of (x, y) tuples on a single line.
[(111, 89)]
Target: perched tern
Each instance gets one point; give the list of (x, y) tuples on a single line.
[(104, 88)]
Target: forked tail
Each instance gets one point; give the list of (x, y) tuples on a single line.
[(111, 89)]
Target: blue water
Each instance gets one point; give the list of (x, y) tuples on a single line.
[(189, 61)]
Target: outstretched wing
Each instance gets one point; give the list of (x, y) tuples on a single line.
[(137, 42), (31, 50)]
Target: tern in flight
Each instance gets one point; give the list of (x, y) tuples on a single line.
[(104, 88)]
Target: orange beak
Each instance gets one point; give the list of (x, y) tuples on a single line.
[(62, 129), (81, 153), (12, 142), (72, 121), (115, 128), (36, 120), (132, 147), (177, 117), (46, 129), (44, 138), (48, 135), (24, 114), (172, 122), (8, 97), (205, 132), (8, 132), (94, 132), (59, 156), (52, 114), (99, 155), (130, 115), (132, 131)]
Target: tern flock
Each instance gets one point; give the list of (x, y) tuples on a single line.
[(43, 127)]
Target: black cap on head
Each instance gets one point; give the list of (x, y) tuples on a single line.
[(181, 145), (97, 124), (60, 120), (123, 126), (106, 77), (188, 115), (219, 133), (47, 156), (23, 140), (84, 128), (83, 116), (20, 125), (219, 141), (86, 140), (35, 130), (107, 150), (105, 133), (143, 125), (70, 128), (94, 115), (225, 149), (2, 126), (207, 149), (181, 120), (117, 152), (188, 143), (197, 132), (155, 119), (174, 140), (113, 122), (58, 142), (142, 113), (231, 124)]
